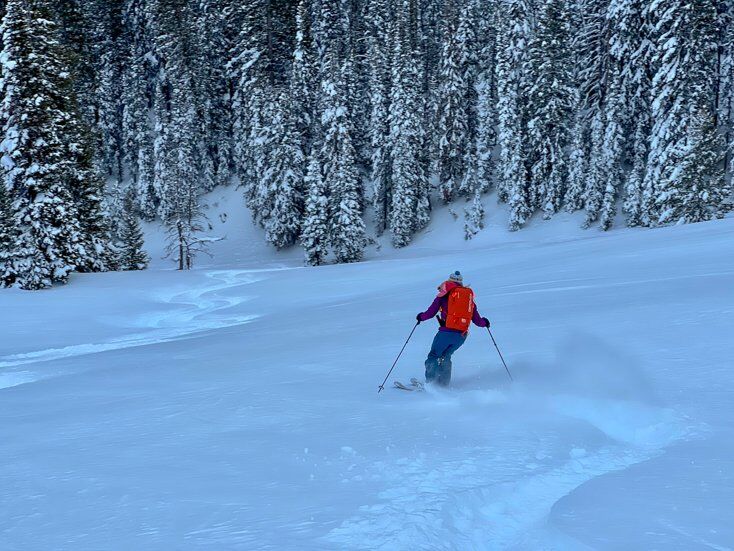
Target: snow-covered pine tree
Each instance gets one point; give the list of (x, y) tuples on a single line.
[(315, 231), (356, 76), (474, 216), (131, 255), (409, 199), (77, 22), (285, 177), (701, 189), (40, 153), (88, 189), (596, 178), (379, 87), (725, 91), (636, 177), (247, 71), (612, 155), (302, 89), (591, 68), (430, 22), (591, 54), (261, 53), (137, 135), (108, 52), (629, 52), (550, 101), (7, 234), (578, 162), (683, 89), (180, 208), (474, 213), (213, 95), (468, 62), (452, 117), (260, 191), (512, 37), (341, 178), (479, 174), (177, 177), (486, 131)]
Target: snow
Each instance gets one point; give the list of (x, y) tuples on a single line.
[(236, 406)]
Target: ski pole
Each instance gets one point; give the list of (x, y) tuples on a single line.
[(500, 353), (382, 386)]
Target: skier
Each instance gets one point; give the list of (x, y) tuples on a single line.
[(456, 305)]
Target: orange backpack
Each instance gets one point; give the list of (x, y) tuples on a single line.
[(460, 309)]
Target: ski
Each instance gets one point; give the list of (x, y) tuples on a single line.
[(415, 385)]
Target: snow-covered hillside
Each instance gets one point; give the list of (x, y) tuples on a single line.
[(235, 406)]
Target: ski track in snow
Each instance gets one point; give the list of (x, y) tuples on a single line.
[(469, 502), (188, 313)]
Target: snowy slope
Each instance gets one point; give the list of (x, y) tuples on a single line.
[(235, 406)]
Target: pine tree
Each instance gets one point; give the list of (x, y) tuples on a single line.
[(486, 134), (104, 29), (511, 110), (341, 178), (213, 95), (474, 215), (409, 207), (550, 99), (248, 63), (612, 156), (636, 178), (452, 119), (7, 235), (285, 177), (264, 139), (683, 91), (592, 62), (702, 189), (596, 177), (314, 236), (131, 254), (337, 153), (725, 84), (137, 132), (379, 87), (87, 188), (177, 151), (356, 75), (302, 90), (629, 52), (578, 163), (45, 159), (467, 40)]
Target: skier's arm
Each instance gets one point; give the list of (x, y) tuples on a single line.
[(432, 310), (477, 319)]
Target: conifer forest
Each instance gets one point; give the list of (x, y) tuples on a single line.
[(341, 120)]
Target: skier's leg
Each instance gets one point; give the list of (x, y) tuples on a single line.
[(444, 375), (432, 362)]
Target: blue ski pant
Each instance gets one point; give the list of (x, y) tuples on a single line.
[(438, 363)]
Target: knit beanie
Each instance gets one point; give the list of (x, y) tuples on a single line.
[(456, 277)]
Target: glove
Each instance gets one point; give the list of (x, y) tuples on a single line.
[(486, 322), (418, 318)]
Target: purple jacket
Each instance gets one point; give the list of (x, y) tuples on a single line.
[(442, 304)]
